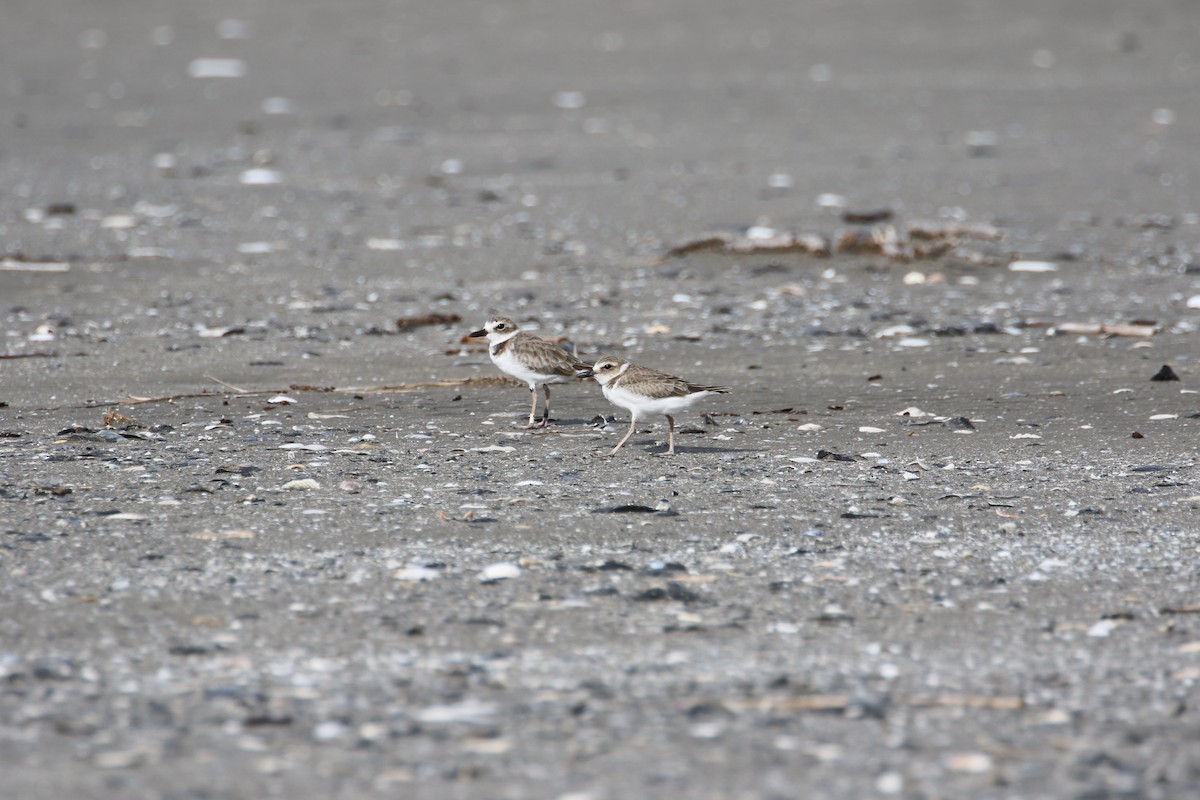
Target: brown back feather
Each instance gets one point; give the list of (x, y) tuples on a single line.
[(546, 354)]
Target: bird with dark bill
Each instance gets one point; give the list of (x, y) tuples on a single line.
[(643, 392), (529, 359)]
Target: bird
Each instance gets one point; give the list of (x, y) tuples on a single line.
[(529, 359), (644, 391)]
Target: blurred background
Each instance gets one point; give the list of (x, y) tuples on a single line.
[(578, 131)]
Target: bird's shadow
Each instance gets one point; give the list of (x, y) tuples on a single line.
[(656, 449)]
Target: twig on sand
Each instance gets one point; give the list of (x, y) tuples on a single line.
[(134, 400), (237, 389), (490, 380), (28, 355)]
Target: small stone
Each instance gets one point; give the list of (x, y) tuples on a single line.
[(981, 143), (664, 508), (889, 783), (469, 711), (1165, 374), (217, 68), (971, 763), (830, 200), (120, 759), (570, 101), (491, 746), (278, 105), (328, 730)]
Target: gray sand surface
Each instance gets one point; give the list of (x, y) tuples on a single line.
[(941, 540)]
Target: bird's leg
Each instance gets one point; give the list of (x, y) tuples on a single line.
[(546, 415), (632, 423), (670, 435), (532, 405)]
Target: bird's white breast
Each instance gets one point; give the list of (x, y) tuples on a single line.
[(510, 363), (642, 406)]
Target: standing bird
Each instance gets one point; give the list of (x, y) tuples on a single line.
[(529, 359), (644, 391)]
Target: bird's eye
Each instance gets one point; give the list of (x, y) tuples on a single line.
[(500, 327)]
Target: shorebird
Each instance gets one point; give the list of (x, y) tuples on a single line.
[(529, 359), (643, 391)]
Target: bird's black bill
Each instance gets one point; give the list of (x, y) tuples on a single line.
[(586, 372), (477, 334)]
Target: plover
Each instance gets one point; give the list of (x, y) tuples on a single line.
[(643, 391), (529, 359)]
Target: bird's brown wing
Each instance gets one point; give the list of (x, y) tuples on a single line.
[(653, 383), (547, 357)]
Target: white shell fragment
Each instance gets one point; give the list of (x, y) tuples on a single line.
[(416, 573), (981, 143), (217, 68), (569, 101), (233, 29), (468, 711), (282, 399), (301, 485), (831, 200), (869, 429), (1033, 266), (895, 331), (217, 333), (500, 571), (149, 252), (278, 105), (376, 243), (969, 763), (17, 265), (260, 176), (118, 222), (316, 448)]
